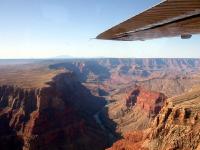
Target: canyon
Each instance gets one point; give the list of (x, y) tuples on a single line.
[(57, 114), (94, 104), (177, 126)]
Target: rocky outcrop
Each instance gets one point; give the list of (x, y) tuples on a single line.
[(178, 124), (131, 141), (176, 127), (58, 116), (149, 101), (134, 112)]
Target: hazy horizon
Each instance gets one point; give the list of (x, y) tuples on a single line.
[(47, 28)]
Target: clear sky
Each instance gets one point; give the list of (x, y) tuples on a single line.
[(49, 28)]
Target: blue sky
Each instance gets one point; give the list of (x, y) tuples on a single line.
[(48, 28)]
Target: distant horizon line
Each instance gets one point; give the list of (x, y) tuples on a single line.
[(99, 58)]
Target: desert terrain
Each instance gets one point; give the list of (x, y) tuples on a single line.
[(96, 104)]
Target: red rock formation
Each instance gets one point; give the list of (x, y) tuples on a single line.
[(178, 124), (149, 101), (131, 141), (59, 116), (135, 112), (176, 127)]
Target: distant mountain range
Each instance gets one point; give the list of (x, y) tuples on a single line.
[(63, 57)]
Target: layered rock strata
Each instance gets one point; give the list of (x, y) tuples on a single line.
[(58, 116), (176, 127)]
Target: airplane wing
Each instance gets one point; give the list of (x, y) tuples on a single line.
[(170, 18)]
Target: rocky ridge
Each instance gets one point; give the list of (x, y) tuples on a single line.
[(49, 118), (123, 70), (169, 76), (57, 111), (177, 126), (149, 101), (135, 112)]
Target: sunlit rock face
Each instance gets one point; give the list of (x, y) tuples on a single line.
[(149, 101), (135, 111), (177, 126), (51, 105)]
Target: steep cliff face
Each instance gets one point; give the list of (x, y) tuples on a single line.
[(46, 107), (177, 126), (59, 116), (136, 111), (149, 101)]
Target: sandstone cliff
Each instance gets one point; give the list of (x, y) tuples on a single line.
[(58, 116), (135, 112), (149, 101), (176, 127), (178, 124), (46, 107)]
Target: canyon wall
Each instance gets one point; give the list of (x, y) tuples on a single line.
[(177, 126), (59, 113), (169, 76), (149, 101), (134, 112), (59, 116)]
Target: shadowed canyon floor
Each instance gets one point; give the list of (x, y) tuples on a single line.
[(89, 104)]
